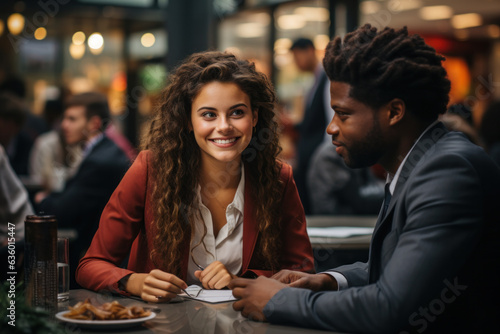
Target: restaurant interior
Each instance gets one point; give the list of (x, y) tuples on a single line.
[(126, 49)]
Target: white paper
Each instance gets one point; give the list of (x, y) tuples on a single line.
[(338, 231), (209, 296)]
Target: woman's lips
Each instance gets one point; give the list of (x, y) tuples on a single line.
[(224, 142)]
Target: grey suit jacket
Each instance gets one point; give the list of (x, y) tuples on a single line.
[(433, 258)]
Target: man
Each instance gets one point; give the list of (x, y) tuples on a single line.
[(317, 114), (14, 207), (434, 255), (84, 196), (336, 189), (16, 142)]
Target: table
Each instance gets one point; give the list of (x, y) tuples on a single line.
[(355, 242), (183, 316), (332, 252)]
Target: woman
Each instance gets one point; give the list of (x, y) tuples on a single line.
[(207, 200)]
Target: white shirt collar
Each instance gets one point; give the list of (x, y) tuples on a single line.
[(91, 144), (393, 180)]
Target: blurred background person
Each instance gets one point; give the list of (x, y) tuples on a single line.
[(490, 130), (317, 114), (21, 144), (79, 205), (458, 117), (14, 207), (335, 189), (17, 144), (52, 160)]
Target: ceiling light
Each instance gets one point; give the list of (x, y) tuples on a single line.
[(430, 13), (77, 50), (400, 6), (262, 18), (96, 41), (2, 26), (466, 20), (40, 33), (15, 22), (289, 22), (369, 7), (78, 38), (313, 13), (250, 30), (148, 40)]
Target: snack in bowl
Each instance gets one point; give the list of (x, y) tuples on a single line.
[(107, 311)]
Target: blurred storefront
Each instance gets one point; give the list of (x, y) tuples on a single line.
[(126, 48)]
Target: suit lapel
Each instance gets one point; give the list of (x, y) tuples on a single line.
[(250, 229), (384, 224)]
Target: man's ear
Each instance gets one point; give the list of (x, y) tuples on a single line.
[(397, 110), (95, 123)]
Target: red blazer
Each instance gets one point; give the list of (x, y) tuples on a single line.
[(126, 227)]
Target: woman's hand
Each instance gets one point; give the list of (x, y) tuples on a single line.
[(215, 276), (157, 286)]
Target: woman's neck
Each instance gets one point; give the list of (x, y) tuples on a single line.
[(220, 175)]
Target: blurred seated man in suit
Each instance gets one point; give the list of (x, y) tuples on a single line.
[(434, 255), (317, 114), (336, 189), (80, 203)]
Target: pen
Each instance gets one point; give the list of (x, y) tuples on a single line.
[(187, 293), (196, 263)]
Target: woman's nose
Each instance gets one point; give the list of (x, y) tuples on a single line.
[(224, 124)]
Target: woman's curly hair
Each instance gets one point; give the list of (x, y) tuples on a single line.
[(176, 156), (387, 64)]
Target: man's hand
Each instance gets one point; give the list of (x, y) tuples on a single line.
[(253, 295), (298, 279)]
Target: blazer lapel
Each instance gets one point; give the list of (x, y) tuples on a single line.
[(250, 229), (383, 225)]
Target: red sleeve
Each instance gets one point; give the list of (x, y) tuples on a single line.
[(121, 222), (297, 250)]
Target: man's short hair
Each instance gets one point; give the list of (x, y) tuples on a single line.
[(302, 44), (12, 109), (383, 65), (95, 104)]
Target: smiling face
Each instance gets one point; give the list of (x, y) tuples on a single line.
[(222, 121), (355, 128)]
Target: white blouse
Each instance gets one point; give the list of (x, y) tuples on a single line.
[(228, 246)]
